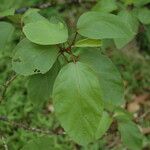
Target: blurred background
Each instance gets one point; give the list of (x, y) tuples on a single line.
[(20, 121)]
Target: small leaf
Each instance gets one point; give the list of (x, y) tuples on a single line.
[(104, 124), (105, 6), (88, 43), (6, 35), (109, 77), (122, 115), (144, 15), (40, 85), (77, 102), (96, 25), (32, 59), (46, 33), (131, 135), (41, 143)]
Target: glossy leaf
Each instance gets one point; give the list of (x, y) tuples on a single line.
[(88, 43), (78, 102), (40, 85), (132, 22), (105, 6), (97, 25), (31, 59), (109, 77), (130, 135), (6, 35), (41, 143), (46, 33), (144, 15)]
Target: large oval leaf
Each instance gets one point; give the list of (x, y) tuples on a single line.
[(109, 78), (32, 59), (45, 32), (77, 102), (97, 25)]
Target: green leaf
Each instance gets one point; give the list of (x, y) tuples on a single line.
[(148, 33), (88, 43), (130, 135), (40, 85), (109, 77), (32, 15), (139, 3), (144, 15), (6, 35), (32, 59), (41, 143), (7, 12), (132, 22), (105, 6), (122, 115), (97, 25), (78, 102), (45, 32), (104, 124)]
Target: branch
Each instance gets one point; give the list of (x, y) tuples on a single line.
[(74, 40), (6, 85), (26, 127)]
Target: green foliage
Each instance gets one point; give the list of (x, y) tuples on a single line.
[(104, 124), (6, 35), (8, 12), (105, 6), (42, 83), (32, 15), (41, 31), (109, 78), (97, 25), (77, 86), (82, 84), (131, 135), (88, 43), (143, 15), (32, 59), (131, 21), (41, 143), (140, 2)]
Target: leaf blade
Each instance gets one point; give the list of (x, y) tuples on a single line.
[(78, 102), (32, 59), (97, 25)]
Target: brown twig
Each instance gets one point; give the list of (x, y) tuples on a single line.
[(74, 40), (26, 127), (6, 85)]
